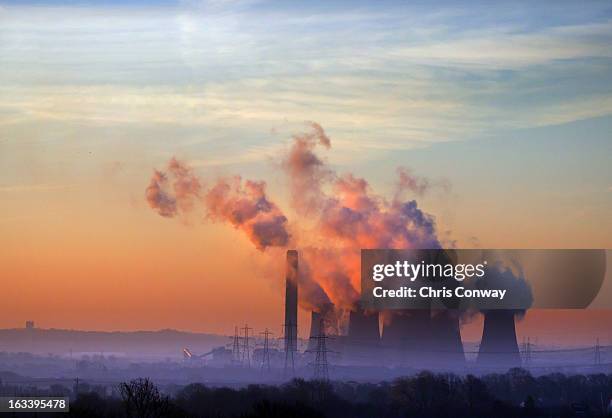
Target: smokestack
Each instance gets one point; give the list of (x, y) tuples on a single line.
[(291, 301), (498, 346)]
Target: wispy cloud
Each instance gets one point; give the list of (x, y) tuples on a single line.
[(42, 187), (507, 48), (379, 78)]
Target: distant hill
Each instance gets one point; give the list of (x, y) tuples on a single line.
[(162, 343)]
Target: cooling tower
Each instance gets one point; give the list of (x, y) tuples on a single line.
[(498, 346), (325, 313), (447, 347), (363, 327), (315, 328), (291, 301), (406, 335), (363, 340), (407, 329)]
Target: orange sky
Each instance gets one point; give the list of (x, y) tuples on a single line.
[(97, 265), (515, 116)]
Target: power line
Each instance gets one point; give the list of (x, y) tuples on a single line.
[(527, 352), (532, 351), (290, 348), (246, 349), (265, 361), (320, 365)]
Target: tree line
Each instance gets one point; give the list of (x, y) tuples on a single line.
[(513, 394)]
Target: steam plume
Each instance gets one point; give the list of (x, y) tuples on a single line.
[(186, 184), (244, 205), (306, 171), (519, 296), (338, 215), (158, 196), (349, 216), (409, 182), (248, 209)]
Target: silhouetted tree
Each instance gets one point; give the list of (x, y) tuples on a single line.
[(142, 399), (476, 392), (510, 395), (266, 409)]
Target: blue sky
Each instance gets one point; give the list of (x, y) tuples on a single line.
[(224, 84)]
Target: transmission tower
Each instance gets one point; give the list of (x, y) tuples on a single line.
[(320, 365), (290, 348), (246, 350), (597, 353), (236, 347), (527, 351), (265, 361)]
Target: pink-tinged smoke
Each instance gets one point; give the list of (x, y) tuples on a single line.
[(244, 205), (306, 171), (248, 209), (186, 184), (407, 181), (158, 196), (168, 199), (348, 215), (312, 296), (337, 216)]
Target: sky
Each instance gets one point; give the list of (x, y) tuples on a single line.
[(508, 102)]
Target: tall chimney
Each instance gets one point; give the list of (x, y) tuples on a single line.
[(498, 346), (291, 301)]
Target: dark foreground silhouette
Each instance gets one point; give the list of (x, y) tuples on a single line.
[(513, 394)]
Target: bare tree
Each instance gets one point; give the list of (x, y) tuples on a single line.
[(142, 399)]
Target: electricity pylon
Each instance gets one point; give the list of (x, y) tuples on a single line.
[(265, 361), (246, 349), (236, 347), (290, 349), (320, 365)]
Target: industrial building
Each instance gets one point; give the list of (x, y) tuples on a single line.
[(415, 338)]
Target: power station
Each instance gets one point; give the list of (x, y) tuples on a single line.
[(416, 338), (411, 337)]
